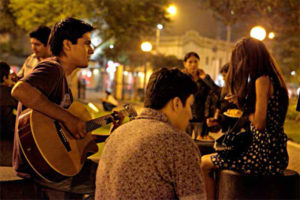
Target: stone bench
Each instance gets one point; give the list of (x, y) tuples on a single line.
[(14, 187), (233, 185)]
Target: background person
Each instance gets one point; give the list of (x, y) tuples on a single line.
[(221, 121), (46, 90), (7, 118), (39, 47), (151, 157), (257, 88), (109, 102), (298, 104), (205, 87)]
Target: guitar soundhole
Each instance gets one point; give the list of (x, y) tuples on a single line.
[(62, 136)]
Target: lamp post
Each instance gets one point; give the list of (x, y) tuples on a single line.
[(159, 27), (146, 47)]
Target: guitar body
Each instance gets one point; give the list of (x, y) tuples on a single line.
[(52, 152)]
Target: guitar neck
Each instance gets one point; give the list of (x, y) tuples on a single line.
[(102, 121)]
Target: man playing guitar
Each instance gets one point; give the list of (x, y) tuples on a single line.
[(46, 89)]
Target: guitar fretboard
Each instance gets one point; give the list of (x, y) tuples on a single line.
[(102, 121)]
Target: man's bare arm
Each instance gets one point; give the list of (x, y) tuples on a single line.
[(34, 99)]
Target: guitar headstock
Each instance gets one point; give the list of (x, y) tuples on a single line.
[(130, 110)]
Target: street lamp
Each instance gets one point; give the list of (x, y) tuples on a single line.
[(172, 10), (271, 35), (146, 47), (159, 27), (258, 32)]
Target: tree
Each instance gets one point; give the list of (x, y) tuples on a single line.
[(7, 22), (279, 16), (229, 11), (125, 22), (30, 14), (283, 18), (128, 22)]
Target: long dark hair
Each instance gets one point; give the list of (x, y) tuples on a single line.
[(250, 60)]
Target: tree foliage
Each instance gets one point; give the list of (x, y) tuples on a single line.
[(7, 22), (129, 22), (229, 11), (280, 16), (125, 22), (30, 14)]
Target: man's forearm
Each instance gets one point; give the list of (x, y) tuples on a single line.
[(34, 99)]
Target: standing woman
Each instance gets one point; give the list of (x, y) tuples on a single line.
[(201, 109), (258, 88)]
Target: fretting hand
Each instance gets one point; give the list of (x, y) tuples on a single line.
[(116, 123), (76, 127)]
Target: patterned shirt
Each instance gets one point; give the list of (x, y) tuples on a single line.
[(148, 158)]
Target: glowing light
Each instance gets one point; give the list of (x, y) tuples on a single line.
[(258, 32), (271, 35), (160, 26), (111, 46), (96, 40), (93, 107), (293, 73), (172, 10), (96, 71), (125, 73), (146, 46), (141, 75), (89, 74), (112, 66)]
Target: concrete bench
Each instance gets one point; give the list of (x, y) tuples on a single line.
[(233, 185)]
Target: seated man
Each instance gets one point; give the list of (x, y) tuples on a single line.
[(109, 102), (152, 157)]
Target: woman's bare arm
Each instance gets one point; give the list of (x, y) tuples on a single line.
[(262, 90)]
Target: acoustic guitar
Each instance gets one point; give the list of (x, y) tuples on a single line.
[(52, 152)]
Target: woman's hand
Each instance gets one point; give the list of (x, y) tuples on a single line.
[(232, 99), (201, 74), (212, 122)]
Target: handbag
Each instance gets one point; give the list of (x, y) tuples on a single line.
[(236, 140)]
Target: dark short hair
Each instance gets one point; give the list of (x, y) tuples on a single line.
[(190, 54), (224, 68), (166, 84), (68, 29), (4, 70), (41, 34)]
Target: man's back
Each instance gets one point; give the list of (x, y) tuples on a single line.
[(149, 159)]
